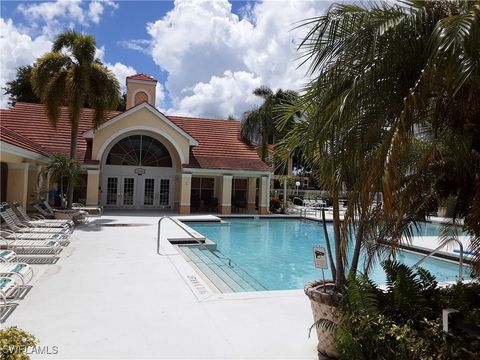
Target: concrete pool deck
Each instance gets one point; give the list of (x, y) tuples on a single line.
[(112, 296)]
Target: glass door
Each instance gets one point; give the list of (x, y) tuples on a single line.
[(164, 192), (149, 193), (128, 194), (112, 191)]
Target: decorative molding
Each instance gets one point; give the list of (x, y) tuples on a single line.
[(221, 172)]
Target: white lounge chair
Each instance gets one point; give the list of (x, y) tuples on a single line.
[(91, 210), (38, 224), (20, 228), (39, 221), (8, 289), (10, 241), (19, 270)]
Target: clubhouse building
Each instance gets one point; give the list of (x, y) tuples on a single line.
[(137, 159)]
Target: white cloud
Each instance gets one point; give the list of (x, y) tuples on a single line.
[(121, 71), (202, 44), (64, 13), (17, 49), (20, 49), (230, 94), (96, 8)]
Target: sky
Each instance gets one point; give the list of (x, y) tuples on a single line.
[(208, 56)]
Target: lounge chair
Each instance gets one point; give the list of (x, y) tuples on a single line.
[(91, 210), (8, 289), (75, 216), (19, 270), (21, 228), (37, 224), (10, 241), (7, 255), (39, 220)]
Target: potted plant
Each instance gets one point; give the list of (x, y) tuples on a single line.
[(67, 173)]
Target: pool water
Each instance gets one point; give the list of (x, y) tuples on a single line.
[(278, 252)]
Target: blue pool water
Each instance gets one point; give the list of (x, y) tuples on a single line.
[(278, 252)]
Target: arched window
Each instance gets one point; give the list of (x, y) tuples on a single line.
[(139, 150)]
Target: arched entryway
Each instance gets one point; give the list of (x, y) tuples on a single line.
[(138, 171)]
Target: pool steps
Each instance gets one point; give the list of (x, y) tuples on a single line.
[(226, 277)]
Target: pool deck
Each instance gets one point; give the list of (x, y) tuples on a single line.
[(112, 296)]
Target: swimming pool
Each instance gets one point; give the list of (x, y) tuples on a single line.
[(278, 252)]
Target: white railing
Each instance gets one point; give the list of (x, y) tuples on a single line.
[(460, 262)]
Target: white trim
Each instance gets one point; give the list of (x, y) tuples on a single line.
[(141, 128), (90, 166), (93, 172), (21, 166), (184, 204), (154, 111), (149, 96), (16, 150), (145, 82), (224, 172)]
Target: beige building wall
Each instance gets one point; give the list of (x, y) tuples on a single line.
[(251, 193), (143, 120), (93, 184), (136, 86), (225, 195), (17, 184), (185, 190)]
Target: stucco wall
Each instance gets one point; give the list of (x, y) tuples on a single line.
[(142, 120)]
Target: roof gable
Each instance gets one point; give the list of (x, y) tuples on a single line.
[(139, 107)]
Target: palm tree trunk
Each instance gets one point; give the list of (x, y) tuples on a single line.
[(356, 251), (73, 151), (329, 249), (340, 278)]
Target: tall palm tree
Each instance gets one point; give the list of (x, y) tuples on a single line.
[(70, 75), (259, 126), (386, 77)]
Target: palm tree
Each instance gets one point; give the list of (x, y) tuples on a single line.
[(386, 77), (259, 126), (70, 75), (63, 170)]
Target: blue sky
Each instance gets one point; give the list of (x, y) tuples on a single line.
[(207, 55)]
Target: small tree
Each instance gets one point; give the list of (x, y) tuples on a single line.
[(66, 172)]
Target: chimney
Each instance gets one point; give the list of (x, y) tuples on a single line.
[(140, 88)]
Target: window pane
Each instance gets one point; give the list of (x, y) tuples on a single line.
[(139, 150)]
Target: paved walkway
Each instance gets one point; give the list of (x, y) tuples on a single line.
[(111, 296)]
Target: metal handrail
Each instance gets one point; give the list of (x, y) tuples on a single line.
[(460, 263)]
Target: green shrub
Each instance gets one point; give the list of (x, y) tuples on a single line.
[(14, 343), (404, 320)]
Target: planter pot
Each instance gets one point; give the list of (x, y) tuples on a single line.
[(75, 215), (324, 306)]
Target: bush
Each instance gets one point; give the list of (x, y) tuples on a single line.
[(404, 321), (14, 343)]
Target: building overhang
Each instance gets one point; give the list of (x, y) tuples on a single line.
[(16, 150)]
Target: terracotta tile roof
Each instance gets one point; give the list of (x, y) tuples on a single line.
[(219, 146), (30, 121), (142, 76), (11, 137)]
